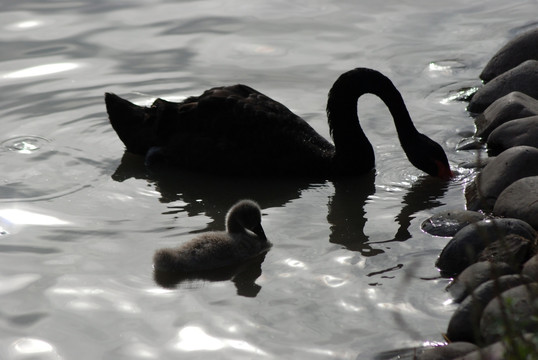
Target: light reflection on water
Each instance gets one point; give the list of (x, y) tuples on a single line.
[(29, 347), (41, 70), (23, 217), (192, 338), (350, 272)]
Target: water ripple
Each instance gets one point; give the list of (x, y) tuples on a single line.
[(13, 283), (25, 144), (34, 170), (333, 281)]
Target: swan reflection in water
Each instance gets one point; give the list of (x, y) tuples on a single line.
[(212, 196)]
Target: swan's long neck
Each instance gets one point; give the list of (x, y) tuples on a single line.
[(352, 146)]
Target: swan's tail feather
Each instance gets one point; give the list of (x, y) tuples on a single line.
[(130, 122)]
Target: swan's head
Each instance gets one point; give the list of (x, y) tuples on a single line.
[(247, 213), (429, 156)]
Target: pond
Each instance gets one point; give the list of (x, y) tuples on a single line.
[(350, 273)]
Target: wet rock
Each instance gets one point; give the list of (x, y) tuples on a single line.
[(479, 163), (471, 143), (520, 200), (402, 353), (462, 94), (464, 248), (511, 165), (530, 268), (515, 105), (495, 351), (522, 78), (512, 249), (448, 351), (464, 324), (514, 133), (519, 304), (449, 222), (475, 275), (522, 47)]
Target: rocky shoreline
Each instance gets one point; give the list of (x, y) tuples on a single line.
[(493, 251)]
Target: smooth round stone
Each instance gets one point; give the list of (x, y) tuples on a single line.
[(512, 249), (448, 351), (522, 78), (471, 143), (478, 163), (522, 47), (520, 200), (475, 275), (530, 268), (520, 305), (449, 222), (514, 133), (495, 351), (509, 166), (515, 105), (464, 325), (465, 247)]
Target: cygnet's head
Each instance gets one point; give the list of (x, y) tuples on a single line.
[(247, 214)]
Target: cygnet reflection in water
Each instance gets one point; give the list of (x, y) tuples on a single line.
[(243, 276), (238, 130), (243, 239)]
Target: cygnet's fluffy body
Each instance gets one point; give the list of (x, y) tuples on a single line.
[(244, 238)]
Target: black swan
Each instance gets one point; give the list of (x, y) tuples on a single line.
[(237, 129), (244, 238)]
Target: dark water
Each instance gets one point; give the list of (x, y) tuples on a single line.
[(350, 273)]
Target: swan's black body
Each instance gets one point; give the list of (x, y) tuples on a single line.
[(236, 129)]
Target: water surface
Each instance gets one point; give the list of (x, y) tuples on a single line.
[(350, 273)]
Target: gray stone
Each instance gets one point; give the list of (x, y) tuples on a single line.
[(515, 105), (514, 133), (530, 268), (448, 351), (522, 47), (512, 249), (522, 78), (509, 166), (464, 325), (464, 248), (449, 222), (471, 143), (520, 200), (495, 351), (519, 304), (475, 275), (478, 163)]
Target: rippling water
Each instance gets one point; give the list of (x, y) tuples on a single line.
[(350, 273)]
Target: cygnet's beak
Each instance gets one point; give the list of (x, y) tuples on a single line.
[(258, 230)]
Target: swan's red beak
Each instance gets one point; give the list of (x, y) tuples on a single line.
[(443, 171)]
